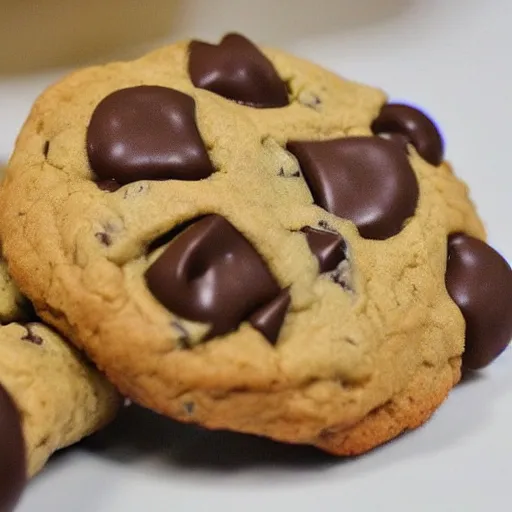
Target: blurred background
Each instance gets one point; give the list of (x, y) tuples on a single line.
[(449, 56), (55, 33)]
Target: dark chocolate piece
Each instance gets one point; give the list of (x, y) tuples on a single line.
[(397, 138), (210, 273), (479, 280), (367, 180), (237, 70), (12, 453), (270, 318), (104, 238), (166, 237), (415, 127), (108, 185), (146, 133), (328, 247), (31, 336)]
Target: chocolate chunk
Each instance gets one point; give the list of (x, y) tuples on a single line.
[(12, 453), (367, 180), (237, 70), (210, 273), (270, 317), (479, 280), (171, 235), (108, 185), (146, 133), (104, 238), (32, 336), (46, 148), (415, 127), (398, 139), (329, 248)]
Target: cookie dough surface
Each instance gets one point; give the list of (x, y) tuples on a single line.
[(360, 356)]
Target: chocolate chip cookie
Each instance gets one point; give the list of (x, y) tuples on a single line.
[(243, 240), (49, 396)]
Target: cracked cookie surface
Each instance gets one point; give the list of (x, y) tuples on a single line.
[(265, 258)]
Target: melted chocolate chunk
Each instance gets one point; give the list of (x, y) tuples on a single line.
[(329, 248), (406, 124), (479, 281), (171, 235), (270, 318), (12, 453), (398, 139), (210, 273), (146, 133), (237, 70), (367, 180), (108, 185)]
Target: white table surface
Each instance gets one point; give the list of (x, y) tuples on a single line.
[(453, 58)]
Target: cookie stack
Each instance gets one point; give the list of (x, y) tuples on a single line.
[(240, 239)]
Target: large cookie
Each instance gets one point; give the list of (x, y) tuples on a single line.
[(50, 397), (244, 240)]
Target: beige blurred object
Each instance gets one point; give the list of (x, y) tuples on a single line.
[(52, 33)]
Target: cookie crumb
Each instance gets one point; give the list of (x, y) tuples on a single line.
[(310, 100)]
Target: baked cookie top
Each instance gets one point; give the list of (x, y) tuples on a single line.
[(243, 239)]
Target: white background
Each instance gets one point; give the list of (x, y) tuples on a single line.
[(453, 58)]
